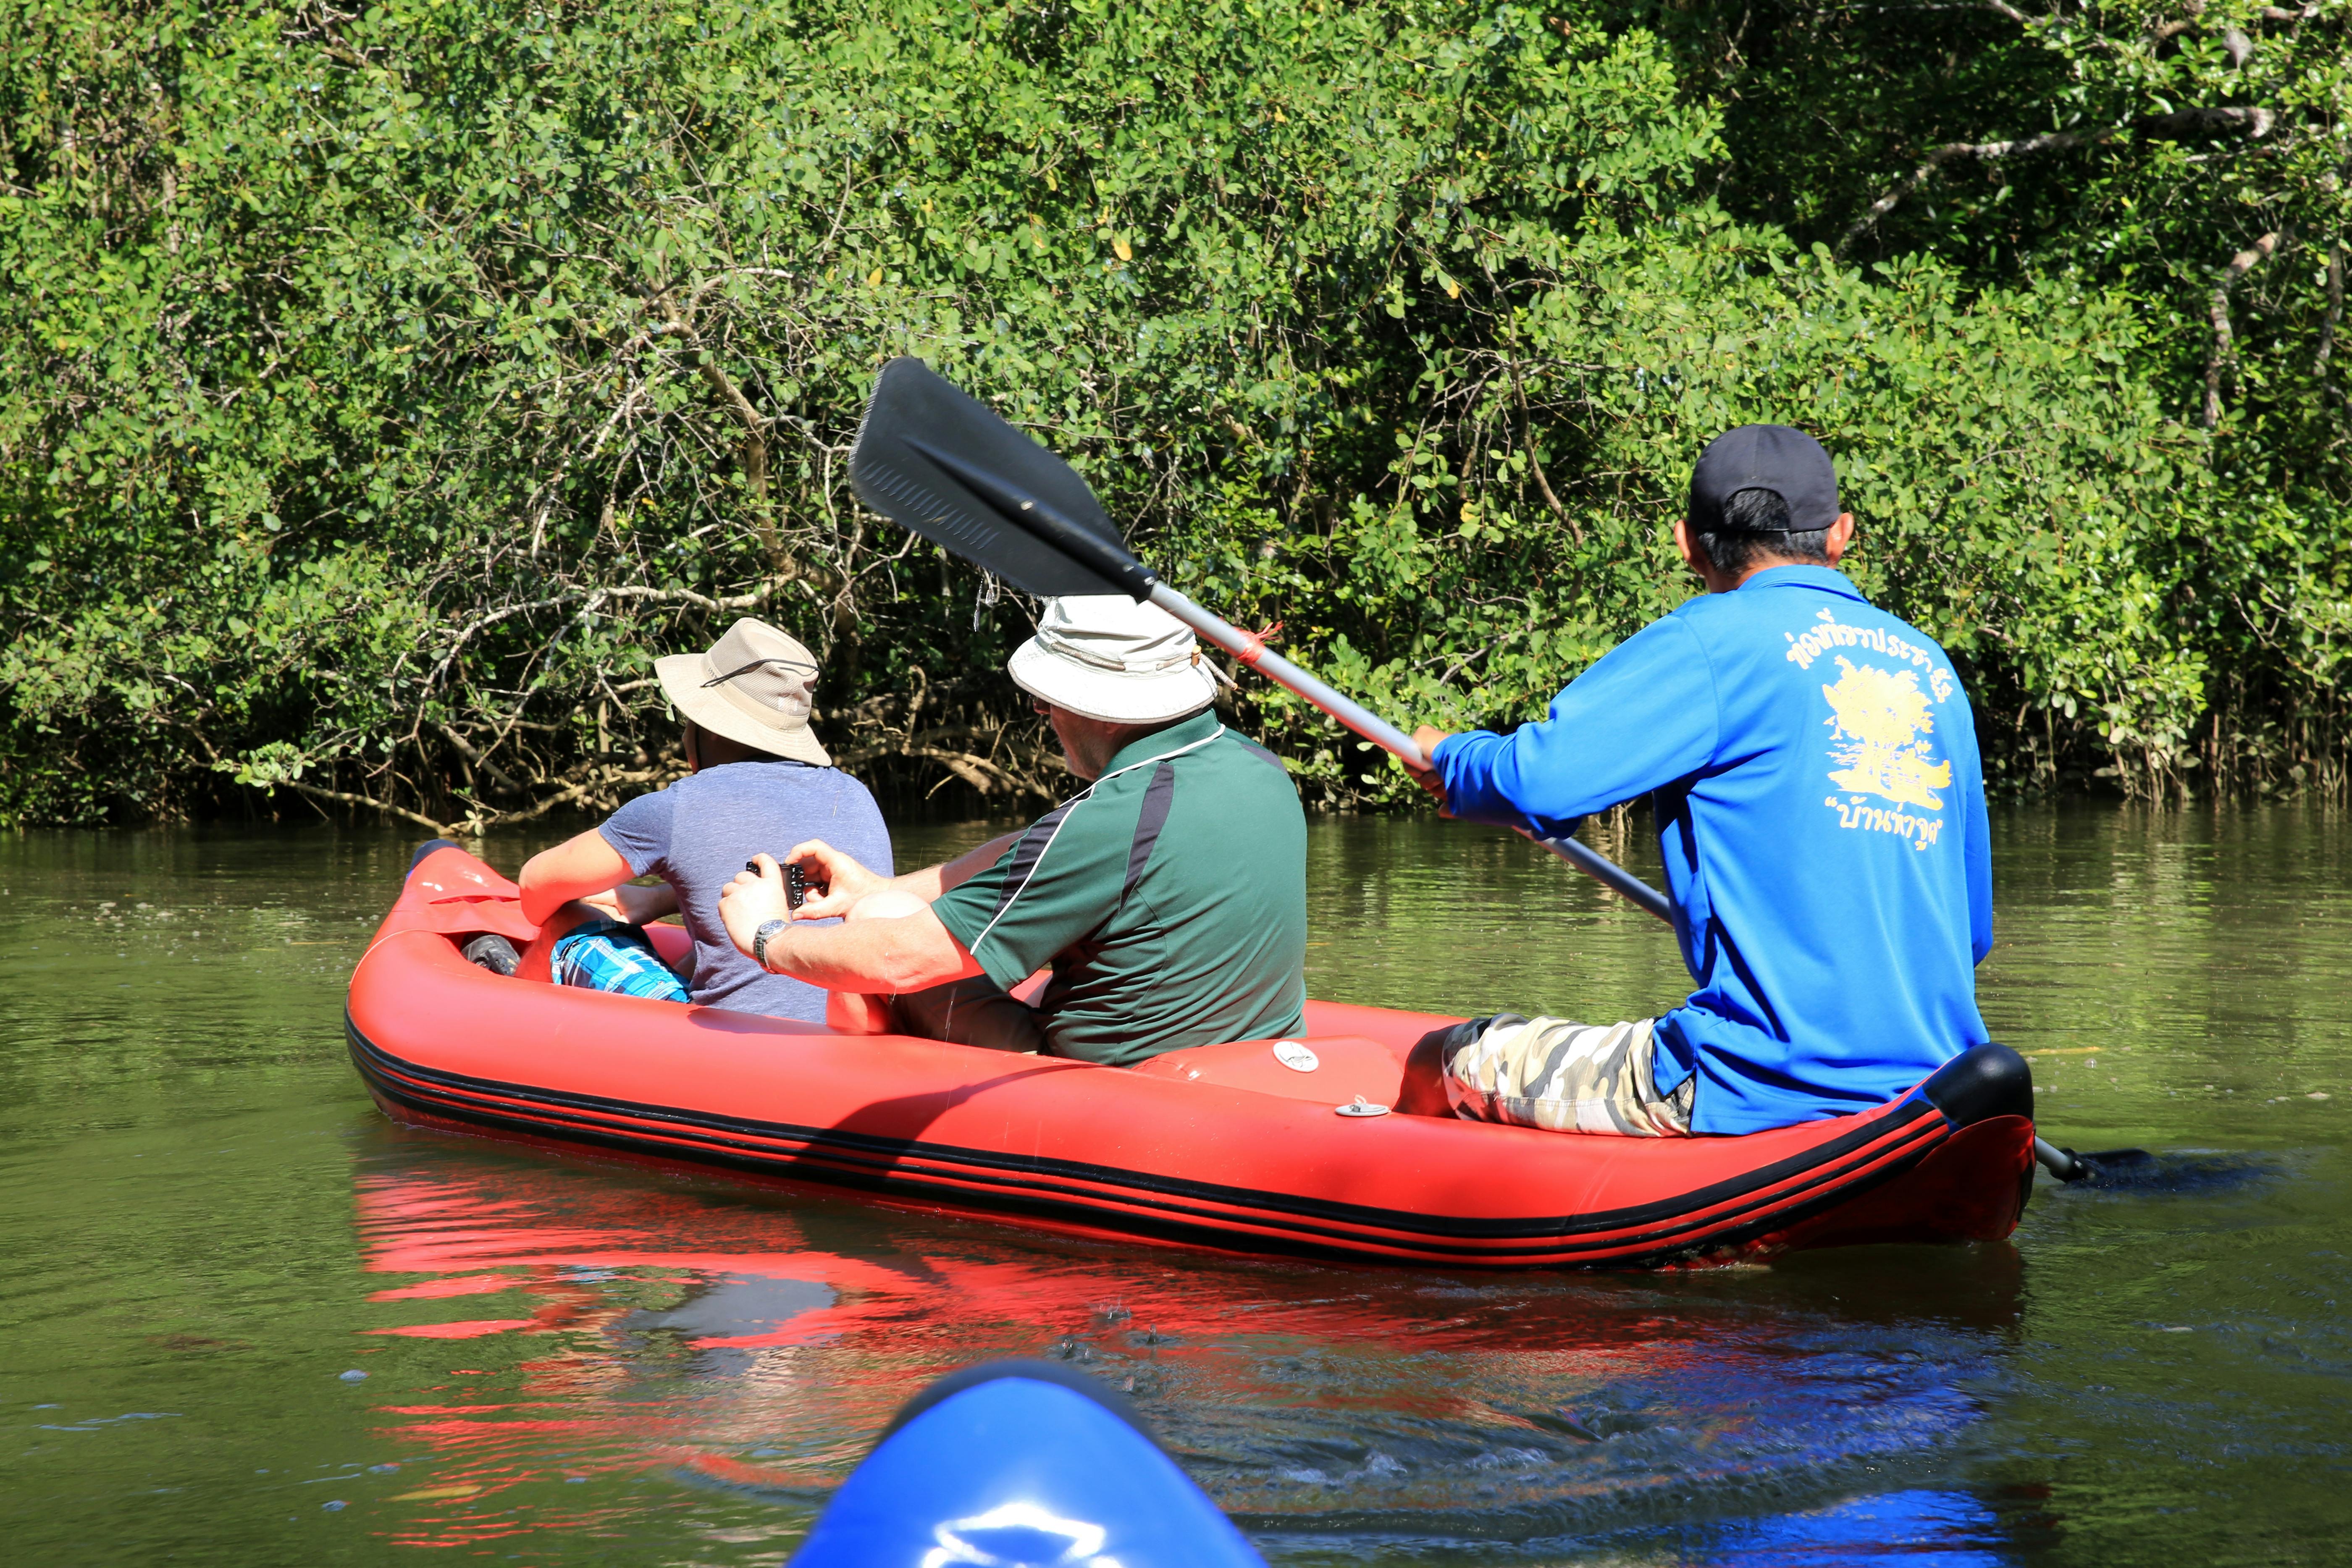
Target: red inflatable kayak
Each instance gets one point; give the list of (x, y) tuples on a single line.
[(1222, 1146)]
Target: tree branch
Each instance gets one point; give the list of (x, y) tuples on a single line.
[(1951, 151), (1527, 426), (440, 830), (688, 596), (548, 491), (481, 762), (2329, 323), (2189, 11), (466, 633), (2254, 122), (1535, 463), (2224, 350), (755, 428), (568, 795), (596, 597)]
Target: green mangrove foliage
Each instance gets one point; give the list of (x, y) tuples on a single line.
[(379, 391), (2190, 157)]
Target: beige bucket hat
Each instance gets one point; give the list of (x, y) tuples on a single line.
[(752, 686), (1110, 658)]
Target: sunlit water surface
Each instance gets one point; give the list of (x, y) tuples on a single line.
[(249, 1321)]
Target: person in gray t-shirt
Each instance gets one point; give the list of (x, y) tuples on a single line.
[(760, 782)]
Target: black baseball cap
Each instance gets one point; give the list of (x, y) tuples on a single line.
[(1775, 457)]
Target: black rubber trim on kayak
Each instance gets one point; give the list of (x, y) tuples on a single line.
[(1256, 1234), (1119, 1216), (1659, 1232), (427, 847), (888, 1153), (1981, 1083), (882, 1160), (1092, 1389), (879, 1165)]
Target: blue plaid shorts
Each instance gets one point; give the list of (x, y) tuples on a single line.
[(606, 955)]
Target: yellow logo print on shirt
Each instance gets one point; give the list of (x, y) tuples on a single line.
[(1879, 729), (1884, 719)]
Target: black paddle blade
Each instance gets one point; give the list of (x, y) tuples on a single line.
[(2111, 1167), (2138, 1170), (940, 463)]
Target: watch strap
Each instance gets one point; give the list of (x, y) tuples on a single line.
[(760, 940)]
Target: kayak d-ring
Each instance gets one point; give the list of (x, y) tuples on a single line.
[(1297, 1055), (1359, 1106)]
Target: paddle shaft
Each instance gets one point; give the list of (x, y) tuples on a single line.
[(1246, 647), (1117, 566), (2055, 1160)]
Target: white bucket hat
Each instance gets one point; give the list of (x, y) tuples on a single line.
[(752, 686), (1106, 657)]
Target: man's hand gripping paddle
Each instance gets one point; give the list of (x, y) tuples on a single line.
[(943, 464), (940, 464)]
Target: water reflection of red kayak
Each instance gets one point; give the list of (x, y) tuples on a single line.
[(1222, 1146), (536, 1318)]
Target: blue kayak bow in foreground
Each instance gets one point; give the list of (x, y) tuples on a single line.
[(1021, 1464)]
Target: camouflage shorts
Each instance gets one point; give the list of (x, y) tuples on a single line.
[(1566, 1077)]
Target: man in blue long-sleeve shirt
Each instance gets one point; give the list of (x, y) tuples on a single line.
[(1813, 763)]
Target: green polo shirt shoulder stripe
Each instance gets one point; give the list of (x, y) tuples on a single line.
[(1022, 860), (1150, 819), (1169, 899)]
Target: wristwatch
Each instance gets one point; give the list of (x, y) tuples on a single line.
[(760, 941)]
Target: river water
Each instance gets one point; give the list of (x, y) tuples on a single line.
[(249, 1321)]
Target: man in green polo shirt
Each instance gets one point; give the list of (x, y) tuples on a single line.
[(1169, 896)]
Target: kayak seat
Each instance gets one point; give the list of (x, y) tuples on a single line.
[(1344, 1068), (1981, 1083)]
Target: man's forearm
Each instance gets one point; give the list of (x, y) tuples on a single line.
[(644, 905), (876, 956), (581, 867)]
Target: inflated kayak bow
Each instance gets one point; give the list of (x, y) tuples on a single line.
[(942, 464)]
